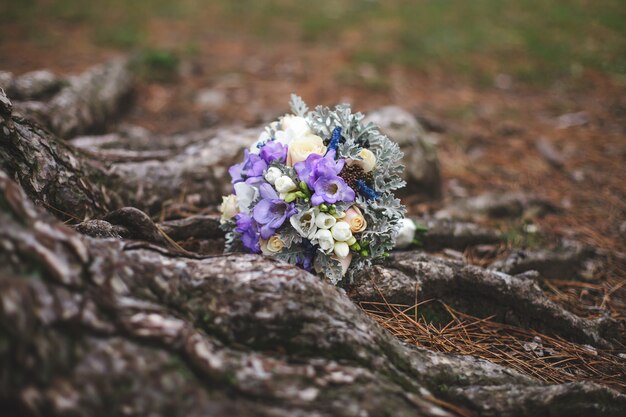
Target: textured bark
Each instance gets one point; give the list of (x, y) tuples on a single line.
[(119, 320), (516, 300), (76, 185), (84, 103), (111, 327)]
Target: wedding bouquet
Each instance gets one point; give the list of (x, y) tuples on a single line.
[(316, 190)]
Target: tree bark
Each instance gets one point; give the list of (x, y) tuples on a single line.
[(121, 321)]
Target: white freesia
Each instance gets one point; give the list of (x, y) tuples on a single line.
[(325, 240), (284, 184), (246, 194), (325, 221), (272, 175), (304, 223), (406, 234), (369, 160), (341, 231), (228, 208), (341, 249), (301, 148)]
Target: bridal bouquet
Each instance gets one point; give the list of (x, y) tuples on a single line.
[(316, 190)]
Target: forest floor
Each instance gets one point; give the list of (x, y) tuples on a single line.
[(492, 131)]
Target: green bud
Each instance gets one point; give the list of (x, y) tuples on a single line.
[(365, 243), (290, 197), (300, 194), (386, 254), (351, 241), (304, 187), (323, 207), (365, 253), (356, 247)]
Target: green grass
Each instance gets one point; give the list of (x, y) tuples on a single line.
[(536, 41)]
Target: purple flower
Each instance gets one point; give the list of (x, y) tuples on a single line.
[(271, 212), (248, 229), (317, 166), (274, 151), (330, 190), (250, 170)]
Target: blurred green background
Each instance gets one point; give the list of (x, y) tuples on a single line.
[(535, 41)]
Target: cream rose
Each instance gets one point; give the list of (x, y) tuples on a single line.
[(275, 244), (355, 219), (228, 208), (368, 162), (301, 148)]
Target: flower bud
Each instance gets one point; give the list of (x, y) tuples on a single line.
[(272, 175), (284, 184), (341, 231), (325, 240), (341, 249)]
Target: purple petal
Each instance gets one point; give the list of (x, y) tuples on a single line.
[(268, 192)]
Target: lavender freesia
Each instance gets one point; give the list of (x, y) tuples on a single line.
[(271, 212), (273, 151), (317, 166), (248, 228), (250, 170), (331, 190)]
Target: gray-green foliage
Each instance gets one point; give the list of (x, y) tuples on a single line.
[(330, 266)]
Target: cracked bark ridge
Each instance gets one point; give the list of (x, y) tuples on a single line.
[(94, 327), (515, 300), (77, 104), (51, 172), (78, 186)]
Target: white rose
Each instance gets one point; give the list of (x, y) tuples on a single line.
[(272, 175), (293, 127), (325, 240), (341, 249), (304, 223), (300, 149), (325, 221), (368, 162), (285, 184), (296, 124), (406, 234), (341, 231), (246, 194), (228, 208)]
